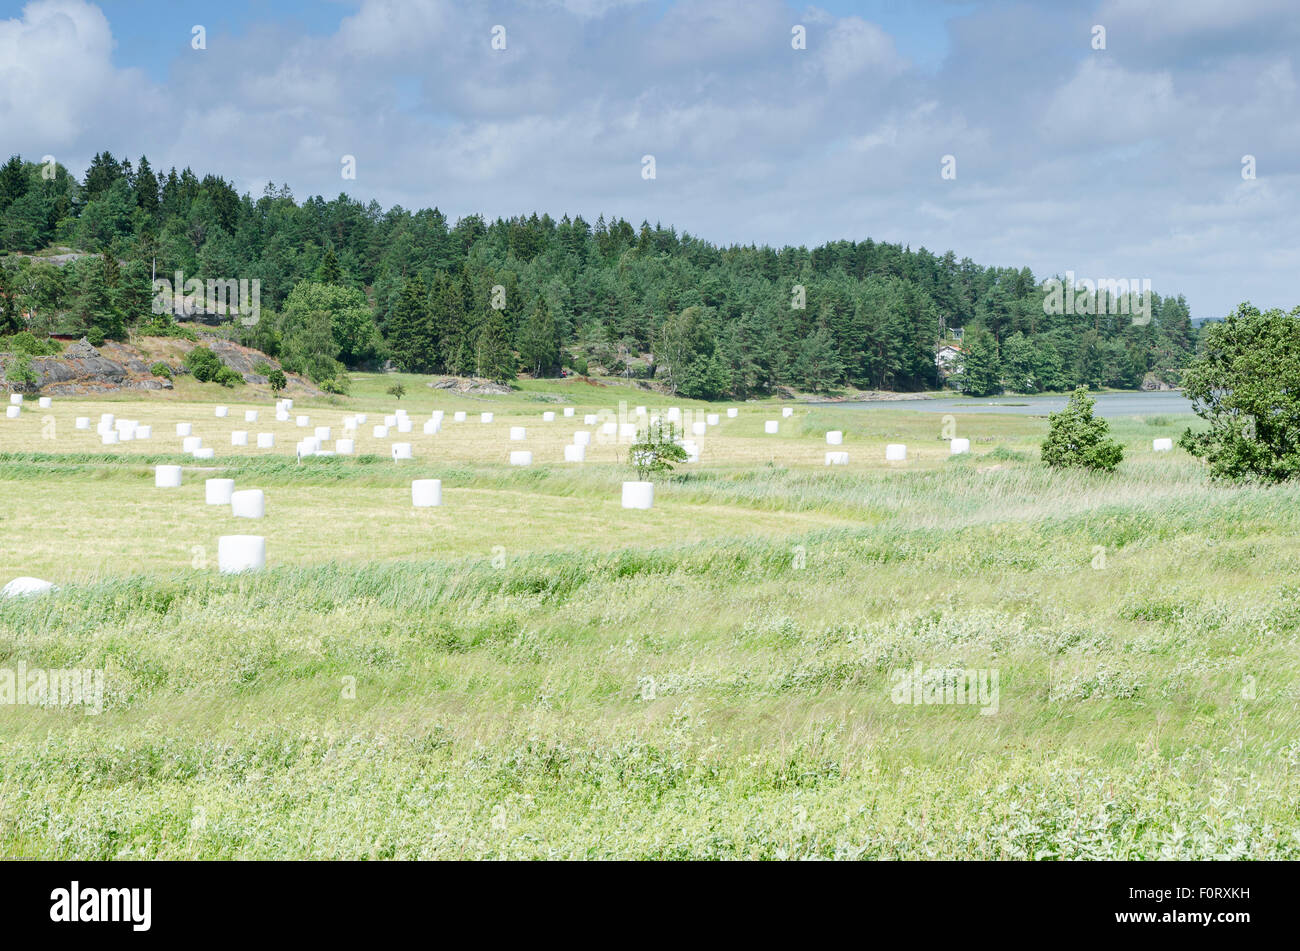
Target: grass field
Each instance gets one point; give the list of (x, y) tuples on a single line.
[(532, 671)]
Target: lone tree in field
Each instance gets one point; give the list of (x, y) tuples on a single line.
[(1076, 438), (655, 451), (397, 390), (1246, 384), (277, 380)]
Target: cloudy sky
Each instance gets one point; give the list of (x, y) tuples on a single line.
[(1121, 162)]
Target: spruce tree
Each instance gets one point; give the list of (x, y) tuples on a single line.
[(495, 360)]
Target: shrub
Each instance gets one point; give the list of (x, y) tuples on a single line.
[(580, 366), (228, 378), (204, 364), (161, 369), (397, 391), (1076, 438), (262, 368), (655, 451), (339, 385), (95, 337), (1244, 384), (277, 379), (25, 342), (20, 371)]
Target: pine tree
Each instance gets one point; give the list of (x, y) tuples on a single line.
[(409, 329), (495, 360), (537, 343), (329, 271)]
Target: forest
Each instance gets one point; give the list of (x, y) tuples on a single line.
[(347, 285)]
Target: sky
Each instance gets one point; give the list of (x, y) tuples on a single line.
[(1128, 161)]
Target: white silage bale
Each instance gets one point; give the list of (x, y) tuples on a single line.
[(166, 477), (239, 437), (238, 553), (638, 495), (895, 452), (771, 426), (266, 440), (521, 457), (575, 452), (402, 450), (835, 437), (518, 433), (959, 446), (218, 491), (426, 493), (221, 412), (248, 503)]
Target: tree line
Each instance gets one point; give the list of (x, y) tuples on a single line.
[(347, 284)]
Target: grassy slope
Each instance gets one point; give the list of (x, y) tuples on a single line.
[(711, 678)]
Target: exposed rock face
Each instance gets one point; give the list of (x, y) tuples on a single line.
[(469, 386), (82, 368), (79, 363)]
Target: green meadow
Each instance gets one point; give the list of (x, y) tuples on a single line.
[(531, 671)]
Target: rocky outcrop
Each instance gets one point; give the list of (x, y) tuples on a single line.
[(470, 386)]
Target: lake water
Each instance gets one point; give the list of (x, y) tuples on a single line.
[(1109, 405)]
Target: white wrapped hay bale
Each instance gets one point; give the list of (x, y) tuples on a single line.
[(568, 411), (144, 432), (218, 491), (379, 432), (402, 450), (771, 426), (787, 412), (391, 420), (282, 416), (288, 403), (250, 415), (239, 437), (459, 416), (732, 412), (191, 443), (426, 493), (437, 416), (609, 429), (1162, 445), (82, 422), (692, 450), (582, 438), (699, 428), (627, 430), (639, 411), (485, 417), (712, 419), (675, 414), (184, 429), (25, 585), (109, 437), (959, 446), (302, 421), (361, 419), (308, 446), (575, 452), (548, 417), (203, 453), (236, 553), (404, 424), (895, 452), (835, 437), (589, 419), (266, 440), (45, 402), (322, 433), (638, 495), (248, 503), (518, 433), (221, 412), (521, 457), (166, 477), (433, 427), (15, 399), (344, 447), (12, 412), (837, 458)]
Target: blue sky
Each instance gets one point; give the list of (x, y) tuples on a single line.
[(1121, 162)]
